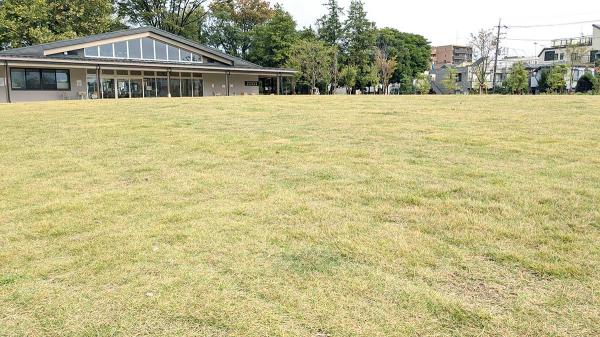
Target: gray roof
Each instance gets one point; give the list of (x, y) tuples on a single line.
[(38, 50)]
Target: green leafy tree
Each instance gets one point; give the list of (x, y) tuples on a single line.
[(348, 77), (518, 79), (330, 28), (450, 82), (358, 42), (312, 59), (272, 42), (412, 53), (596, 84), (422, 84), (230, 24), (556, 79), (181, 17), (25, 23), (371, 78)]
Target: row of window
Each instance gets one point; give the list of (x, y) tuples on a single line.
[(145, 73), (143, 49), (40, 79), (552, 55)]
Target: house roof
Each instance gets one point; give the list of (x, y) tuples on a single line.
[(38, 50)]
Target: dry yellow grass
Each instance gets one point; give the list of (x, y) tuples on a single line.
[(299, 216)]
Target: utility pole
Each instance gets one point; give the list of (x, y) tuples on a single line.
[(497, 52)]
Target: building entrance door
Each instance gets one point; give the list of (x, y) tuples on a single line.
[(122, 88), (137, 89), (108, 88)]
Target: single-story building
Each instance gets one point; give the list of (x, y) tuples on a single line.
[(135, 63)]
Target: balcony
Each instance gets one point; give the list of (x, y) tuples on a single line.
[(577, 41)]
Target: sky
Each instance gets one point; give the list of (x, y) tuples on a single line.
[(452, 21)]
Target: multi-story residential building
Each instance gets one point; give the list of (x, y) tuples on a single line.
[(579, 51), (451, 54)]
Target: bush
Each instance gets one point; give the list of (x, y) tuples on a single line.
[(585, 83)]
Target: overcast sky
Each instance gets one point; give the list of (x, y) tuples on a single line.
[(451, 22)]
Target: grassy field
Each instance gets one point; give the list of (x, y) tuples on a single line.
[(301, 216)]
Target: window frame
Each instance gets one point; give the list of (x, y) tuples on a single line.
[(195, 57), (40, 71)]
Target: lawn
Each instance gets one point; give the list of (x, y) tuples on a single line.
[(301, 216)]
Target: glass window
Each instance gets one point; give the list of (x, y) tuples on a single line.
[(121, 49), (173, 53), (162, 87), (161, 50), (135, 51), (186, 75), (91, 51), (161, 73), (122, 72), (135, 73), (186, 88), (196, 58), (186, 56), (17, 77), (62, 80), (108, 72), (106, 50), (92, 87), (48, 79), (174, 74), (198, 91), (148, 48), (91, 71), (149, 87), (32, 79), (175, 88), (148, 73)]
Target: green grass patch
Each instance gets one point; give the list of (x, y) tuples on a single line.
[(301, 216)]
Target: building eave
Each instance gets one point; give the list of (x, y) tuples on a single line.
[(93, 63)]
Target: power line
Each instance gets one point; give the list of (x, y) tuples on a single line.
[(554, 24)]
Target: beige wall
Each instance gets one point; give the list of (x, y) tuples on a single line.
[(215, 85), (596, 40), (3, 88), (78, 84)]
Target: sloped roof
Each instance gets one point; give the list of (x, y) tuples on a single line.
[(38, 50)]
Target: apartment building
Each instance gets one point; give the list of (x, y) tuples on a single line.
[(581, 51), (451, 54)]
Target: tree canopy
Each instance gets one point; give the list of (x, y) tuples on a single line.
[(30, 22)]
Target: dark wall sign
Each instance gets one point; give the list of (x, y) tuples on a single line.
[(252, 83)]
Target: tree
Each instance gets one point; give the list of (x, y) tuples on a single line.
[(348, 77), (518, 79), (575, 56), (180, 17), (422, 84), (329, 26), (483, 43), (330, 30), (451, 80), (25, 23), (412, 53), (385, 68), (596, 84), (313, 60), (556, 79), (230, 24), (585, 83), (273, 41), (358, 41)]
